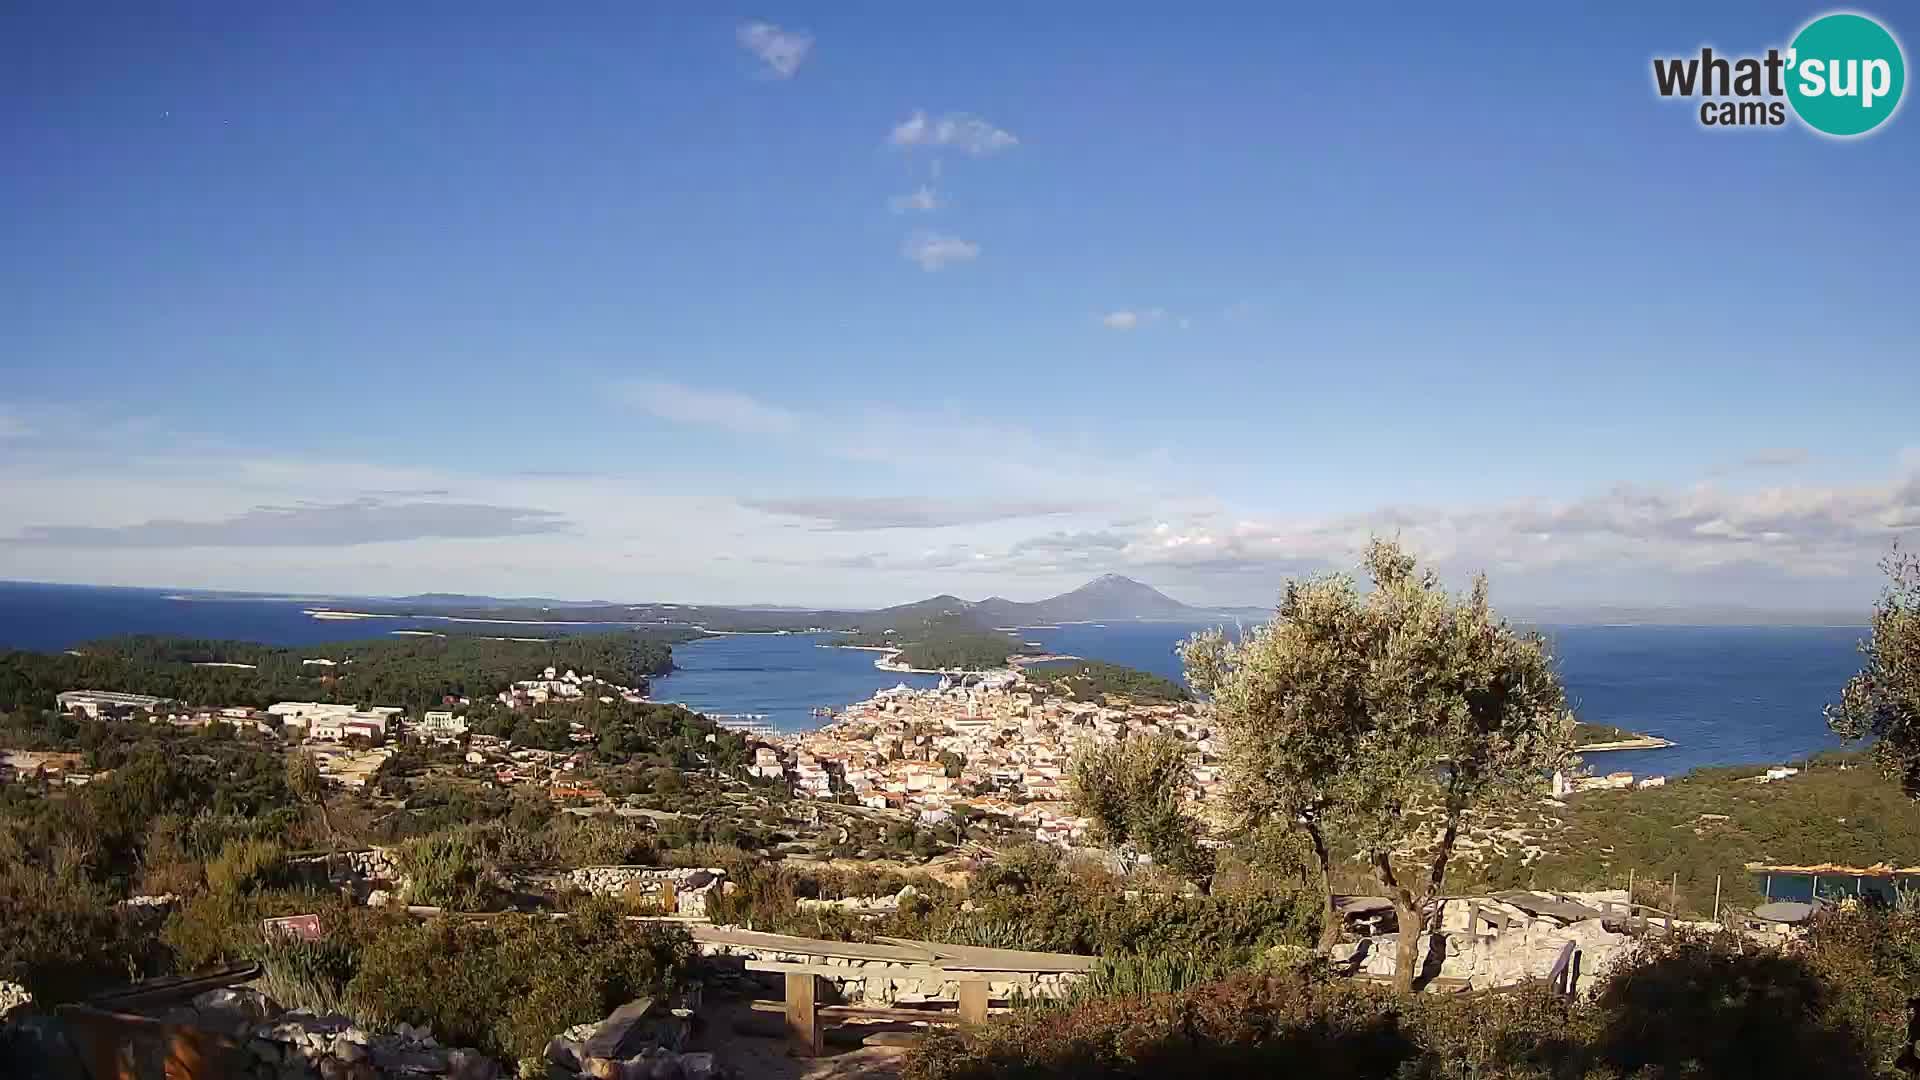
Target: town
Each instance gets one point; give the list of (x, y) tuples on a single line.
[(980, 744), (350, 742)]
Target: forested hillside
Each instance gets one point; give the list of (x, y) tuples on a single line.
[(413, 672)]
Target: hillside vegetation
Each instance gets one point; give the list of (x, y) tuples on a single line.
[(412, 672), (1093, 680)]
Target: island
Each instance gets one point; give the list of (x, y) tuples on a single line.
[(1591, 738)]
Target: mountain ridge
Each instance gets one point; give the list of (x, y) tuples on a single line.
[(1107, 597)]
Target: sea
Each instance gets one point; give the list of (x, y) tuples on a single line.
[(1725, 695)]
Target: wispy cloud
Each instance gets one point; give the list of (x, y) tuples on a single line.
[(700, 407), (938, 444), (361, 521), (1126, 319), (782, 51), (1776, 457), (853, 514), (960, 131), (923, 199), (933, 251), (1627, 533)]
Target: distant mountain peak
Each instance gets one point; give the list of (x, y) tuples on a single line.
[(1109, 596), (1117, 581)]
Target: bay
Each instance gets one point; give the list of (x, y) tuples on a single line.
[(1725, 695)]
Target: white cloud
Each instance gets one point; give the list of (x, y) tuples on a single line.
[(860, 513), (783, 51), (968, 134), (1829, 535), (934, 250), (1133, 319), (924, 199), (887, 502), (723, 409), (954, 447), (365, 520)]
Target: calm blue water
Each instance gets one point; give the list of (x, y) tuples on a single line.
[(52, 617), (1726, 695), (784, 676)]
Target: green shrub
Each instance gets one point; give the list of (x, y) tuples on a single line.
[(245, 866), (451, 869), (506, 984), (303, 974), (59, 933), (1681, 1006)]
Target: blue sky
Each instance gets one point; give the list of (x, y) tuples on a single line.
[(851, 306)]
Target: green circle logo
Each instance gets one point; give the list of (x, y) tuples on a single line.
[(1845, 74)]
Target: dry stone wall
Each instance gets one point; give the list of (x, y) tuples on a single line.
[(691, 885), (1527, 952), (886, 982), (364, 872)]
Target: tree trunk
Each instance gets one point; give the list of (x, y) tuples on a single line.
[(1411, 926), (1439, 876), (1330, 919), (1406, 953)]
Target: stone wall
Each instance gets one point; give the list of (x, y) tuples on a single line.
[(262, 1042), (691, 885), (861, 905), (887, 982), (1486, 960), (364, 872)]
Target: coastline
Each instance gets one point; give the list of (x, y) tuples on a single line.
[(333, 615), (1015, 661), (1641, 742)]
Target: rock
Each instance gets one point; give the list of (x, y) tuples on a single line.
[(347, 1050), (253, 1004), (471, 1065), (396, 1059), (696, 1066), (13, 996), (566, 1052)]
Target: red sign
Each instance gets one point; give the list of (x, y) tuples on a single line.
[(305, 927)]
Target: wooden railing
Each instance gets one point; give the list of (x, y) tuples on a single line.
[(1633, 915)]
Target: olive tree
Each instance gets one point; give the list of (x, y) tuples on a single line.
[(1883, 700), (1379, 719), (1134, 790), (1287, 704)]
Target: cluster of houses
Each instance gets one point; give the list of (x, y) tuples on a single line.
[(554, 685), (49, 767), (993, 745), (557, 770)]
